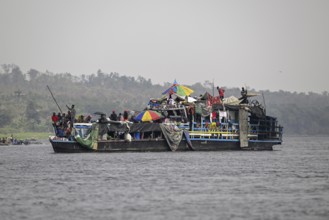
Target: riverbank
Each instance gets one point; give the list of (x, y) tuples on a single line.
[(27, 135)]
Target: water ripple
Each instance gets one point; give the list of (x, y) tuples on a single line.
[(291, 182)]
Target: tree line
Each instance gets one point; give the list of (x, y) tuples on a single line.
[(27, 105)]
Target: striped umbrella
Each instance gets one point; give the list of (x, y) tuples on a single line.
[(148, 115), (178, 89)]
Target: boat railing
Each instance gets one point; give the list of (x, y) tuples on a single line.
[(266, 131), (229, 130), (214, 130)]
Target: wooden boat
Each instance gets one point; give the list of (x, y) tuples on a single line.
[(146, 138), (238, 126)]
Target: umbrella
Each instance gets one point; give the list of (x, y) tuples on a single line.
[(178, 89), (148, 115), (99, 113)]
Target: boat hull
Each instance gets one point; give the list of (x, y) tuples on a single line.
[(222, 145), (68, 147), (117, 146), (159, 145)]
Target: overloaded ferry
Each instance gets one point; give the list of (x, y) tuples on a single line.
[(178, 122)]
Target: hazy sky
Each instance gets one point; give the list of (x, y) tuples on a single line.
[(263, 44)]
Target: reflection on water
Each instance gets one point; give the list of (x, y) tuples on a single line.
[(291, 182)]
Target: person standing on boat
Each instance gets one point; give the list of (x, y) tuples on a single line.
[(60, 118), (103, 129), (63, 119), (221, 92), (54, 118), (73, 112), (125, 115), (190, 115), (120, 117)]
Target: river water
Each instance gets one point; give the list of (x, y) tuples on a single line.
[(291, 182)]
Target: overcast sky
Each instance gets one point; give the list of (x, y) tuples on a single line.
[(262, 44)]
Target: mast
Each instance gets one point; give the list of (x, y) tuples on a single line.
[(54, 99), (264, 103), (213, 88)]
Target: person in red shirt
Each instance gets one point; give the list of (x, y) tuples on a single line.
[(221, 92), (54, 118)]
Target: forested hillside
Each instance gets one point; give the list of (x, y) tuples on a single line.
[(27, 105)]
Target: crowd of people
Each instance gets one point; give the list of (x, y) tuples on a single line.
[(63, 122), (120, 117)]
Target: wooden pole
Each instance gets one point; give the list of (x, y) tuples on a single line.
[(264, 103), (54, 99)]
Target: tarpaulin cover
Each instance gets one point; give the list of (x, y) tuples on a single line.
[(172, 134), (202, 109), (136, 127), (90, 141)]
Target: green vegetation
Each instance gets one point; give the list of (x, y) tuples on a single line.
[(26, 104), (27, 135)]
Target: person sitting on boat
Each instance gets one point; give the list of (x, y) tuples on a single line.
[(243, 92), (213, 116), (114, 116), (68, 130), (244, 97), (81, 119), (171, 101), (88, 119)]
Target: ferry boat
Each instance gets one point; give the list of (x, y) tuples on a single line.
[(206, 123)]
